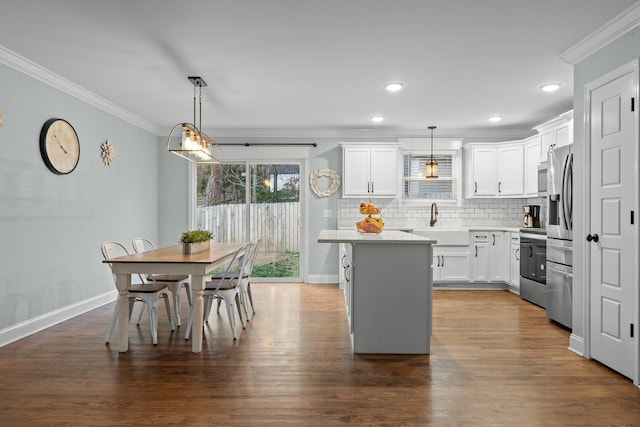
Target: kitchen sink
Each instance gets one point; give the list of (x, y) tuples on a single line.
[(445, 236)]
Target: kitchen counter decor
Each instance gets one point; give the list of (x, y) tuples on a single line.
[(194, 241), (370, 224)]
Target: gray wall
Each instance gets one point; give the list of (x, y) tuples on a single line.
[(51, 226), (616, 54)]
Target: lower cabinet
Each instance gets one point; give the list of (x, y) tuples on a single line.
[(451, 264), (491, 261), (514, 261)]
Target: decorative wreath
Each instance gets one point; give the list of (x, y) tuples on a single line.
[(335, 181), (108, 153)]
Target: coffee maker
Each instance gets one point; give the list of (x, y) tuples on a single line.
[(531, 216)]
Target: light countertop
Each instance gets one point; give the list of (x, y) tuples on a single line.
[(386, 237)]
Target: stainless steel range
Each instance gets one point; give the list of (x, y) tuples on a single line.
[(533, 270)]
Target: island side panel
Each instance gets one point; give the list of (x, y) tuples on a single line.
[(392, 300)]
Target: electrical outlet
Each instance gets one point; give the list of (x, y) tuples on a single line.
[(327, 213)]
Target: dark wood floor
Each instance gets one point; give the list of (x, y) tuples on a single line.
[(496, 361)]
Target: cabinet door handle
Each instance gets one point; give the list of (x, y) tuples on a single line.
[(499, 187), (442, 265), (518, 254), (372, 186), (475, 186), (368, 186), (476, 255), (494, 239), (438, 260)]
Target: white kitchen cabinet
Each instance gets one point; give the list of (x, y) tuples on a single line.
[(495, 170), (555, 133), (498, 255), (369, 171), (531, 162), (489, 256), (510, 170), (514, 261), (483, 171), (480, 271), (451, 264)]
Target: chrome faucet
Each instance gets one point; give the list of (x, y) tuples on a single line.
[(434, 214)]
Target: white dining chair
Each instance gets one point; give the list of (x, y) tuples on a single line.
[(174, 282), (246, 296), (225, 286), (149, 293)]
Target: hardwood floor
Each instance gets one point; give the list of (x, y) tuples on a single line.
[(496, 361)]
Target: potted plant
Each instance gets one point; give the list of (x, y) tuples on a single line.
[(195, 241)]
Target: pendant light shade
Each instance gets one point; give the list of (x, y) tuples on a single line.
[(432, 165), (194, 145)]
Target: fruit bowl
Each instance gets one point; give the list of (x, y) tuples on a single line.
[(369, 209), (370, 225)]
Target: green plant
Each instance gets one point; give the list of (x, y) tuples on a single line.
[(194, 236)]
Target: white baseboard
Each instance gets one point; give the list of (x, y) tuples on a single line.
[(323, 278), (37, 324), (576, 344)]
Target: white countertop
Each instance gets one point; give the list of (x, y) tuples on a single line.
[(386, 237)]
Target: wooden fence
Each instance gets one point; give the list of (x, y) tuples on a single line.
[(277, 224)]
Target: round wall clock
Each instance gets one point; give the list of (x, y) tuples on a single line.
[(59, 146)]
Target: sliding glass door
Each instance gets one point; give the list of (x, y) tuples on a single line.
[(245, 201)]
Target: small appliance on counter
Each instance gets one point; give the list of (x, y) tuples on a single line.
[(531, 216)]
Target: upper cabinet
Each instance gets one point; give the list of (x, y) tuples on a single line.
[(531, 161), (494, 170), (555, 133), (369, 170)]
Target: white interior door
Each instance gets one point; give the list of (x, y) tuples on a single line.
[(611, 239)]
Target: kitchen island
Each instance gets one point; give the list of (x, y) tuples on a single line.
[(388, 292)]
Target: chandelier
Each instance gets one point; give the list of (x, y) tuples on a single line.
[(432, 164), (195, 145)]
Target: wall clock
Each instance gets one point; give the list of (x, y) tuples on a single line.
[(59, 146)]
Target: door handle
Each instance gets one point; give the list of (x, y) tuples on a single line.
[(475, 186), (518, 254), (494, 239), (499, 185), (442, 261), (476, 252), (593, 237)]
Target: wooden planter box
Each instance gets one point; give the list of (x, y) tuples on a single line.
[(192, 248)]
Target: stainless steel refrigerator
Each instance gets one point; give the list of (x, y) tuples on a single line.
[(560, 235)]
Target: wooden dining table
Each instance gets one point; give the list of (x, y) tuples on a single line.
[(168, 260)]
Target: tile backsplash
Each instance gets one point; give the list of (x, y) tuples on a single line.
[(493, 211)]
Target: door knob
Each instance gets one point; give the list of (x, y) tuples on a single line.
[(593, 237)]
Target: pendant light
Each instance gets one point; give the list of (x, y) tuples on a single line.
[(195, 145), (432, 164)]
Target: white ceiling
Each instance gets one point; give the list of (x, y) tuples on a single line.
[(315, 67)]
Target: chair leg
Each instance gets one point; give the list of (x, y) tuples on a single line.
[(187, 289), (115, 318), (219, 302), (243, 301), (239, 310), (113, 323), (250, 297), (231, 316), (152, 307), (175, 292), (168, 307)]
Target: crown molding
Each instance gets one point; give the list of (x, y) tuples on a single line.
[(217, 133), (31, 69), (603, 36)]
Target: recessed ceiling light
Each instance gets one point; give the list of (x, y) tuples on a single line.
[(377, 119), (550, 87), (394, 87), (495, 119)]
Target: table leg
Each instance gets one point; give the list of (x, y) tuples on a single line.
[(197, 286), (123, 283)]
